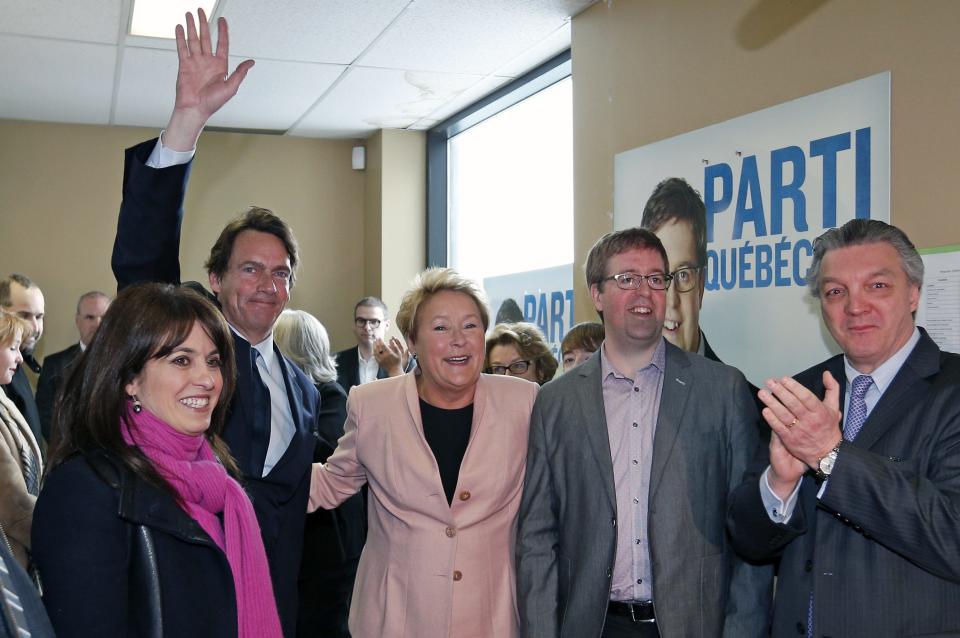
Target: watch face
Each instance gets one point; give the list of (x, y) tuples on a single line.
[(826, 463)]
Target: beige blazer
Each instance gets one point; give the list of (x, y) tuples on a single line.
[(16, 504), (430, 570)]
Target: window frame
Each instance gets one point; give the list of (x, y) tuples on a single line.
[(543, 76)]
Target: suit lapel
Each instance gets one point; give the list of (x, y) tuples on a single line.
[(593, 421), (677, 384), (903, 393)]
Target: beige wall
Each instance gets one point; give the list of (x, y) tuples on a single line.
[(60, 192), (395, 229), (646, 70)]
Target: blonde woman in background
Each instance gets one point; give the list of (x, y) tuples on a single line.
[(20, 461)]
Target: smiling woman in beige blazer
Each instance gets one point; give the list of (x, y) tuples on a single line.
[(443, 452)]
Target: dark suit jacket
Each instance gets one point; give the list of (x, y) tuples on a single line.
[(21, 393), (51, 378), (146, 249), (881, 549), (705, 441), (348, 368)]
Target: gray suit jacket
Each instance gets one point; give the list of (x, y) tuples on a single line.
[(881, 550), (705, 440)]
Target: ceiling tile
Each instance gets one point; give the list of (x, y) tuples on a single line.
[(466, 36), (370, 99), (54, 81), (539, 53), (334, 31), (273, 95), (80, 20), (476, 92)]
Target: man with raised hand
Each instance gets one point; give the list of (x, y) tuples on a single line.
[(272, 427)]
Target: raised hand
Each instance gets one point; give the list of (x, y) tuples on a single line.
[(203, 85), (392, 357)]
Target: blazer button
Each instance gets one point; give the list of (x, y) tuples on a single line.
[(614, 521), (457, 575), (450, 532), (801, 628), (465, 495), (808, 566)]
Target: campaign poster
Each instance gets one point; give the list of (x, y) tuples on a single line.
[(772, 181), (542, 297)]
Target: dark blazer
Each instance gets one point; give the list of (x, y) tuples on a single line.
[(348, 368), (332, 542), (146, 249), (21, 393), (705, 441), (51, 378), (84, 548), (881, 549)]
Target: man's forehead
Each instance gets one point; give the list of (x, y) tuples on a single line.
[(94, 305), (636, 254), (26, 298), (254, 246), (369, 312)]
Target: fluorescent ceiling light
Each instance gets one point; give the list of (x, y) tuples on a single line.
[(158, 18)]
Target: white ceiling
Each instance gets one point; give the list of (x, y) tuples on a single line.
[(325, 68)]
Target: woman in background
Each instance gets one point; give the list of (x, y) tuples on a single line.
[(331, 548), (141, 529), (20, 463), (520, 350), (580, 342)]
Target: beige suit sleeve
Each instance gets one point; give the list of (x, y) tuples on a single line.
[(343, 474)]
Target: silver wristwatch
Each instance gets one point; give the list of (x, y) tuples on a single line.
[(825, 463)]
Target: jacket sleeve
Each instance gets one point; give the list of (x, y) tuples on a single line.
[(751, 585), (147, 244), (538, 535), (81, 549), (343, 474)]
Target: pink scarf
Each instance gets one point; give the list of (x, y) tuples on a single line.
[(205, 490)]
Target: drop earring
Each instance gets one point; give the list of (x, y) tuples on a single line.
[(137, 406)]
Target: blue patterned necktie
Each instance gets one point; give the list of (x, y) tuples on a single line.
[(857, 412)]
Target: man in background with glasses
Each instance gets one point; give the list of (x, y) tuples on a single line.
[(631, 460), (372, 358)]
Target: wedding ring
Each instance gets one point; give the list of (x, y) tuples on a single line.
[(792, 423)]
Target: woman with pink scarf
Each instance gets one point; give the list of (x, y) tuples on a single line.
[(140, 528)]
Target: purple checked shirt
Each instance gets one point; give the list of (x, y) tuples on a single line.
[(632, 404)]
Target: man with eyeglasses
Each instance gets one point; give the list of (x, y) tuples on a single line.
[(631, 461), (372, 358)]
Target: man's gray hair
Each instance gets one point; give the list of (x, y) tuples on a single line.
[(91, 295), (858, 232)]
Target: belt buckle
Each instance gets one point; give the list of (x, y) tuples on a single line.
[(633, 616)]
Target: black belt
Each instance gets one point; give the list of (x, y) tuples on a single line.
[(641, 611)]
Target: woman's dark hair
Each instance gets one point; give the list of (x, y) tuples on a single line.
[(146, 321)]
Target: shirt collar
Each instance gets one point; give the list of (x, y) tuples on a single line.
[(607, 368), (884, 374), (265, 347)]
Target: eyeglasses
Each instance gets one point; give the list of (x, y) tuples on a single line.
[(685, 279), (632, 280), (517, 367), (361, 322)]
